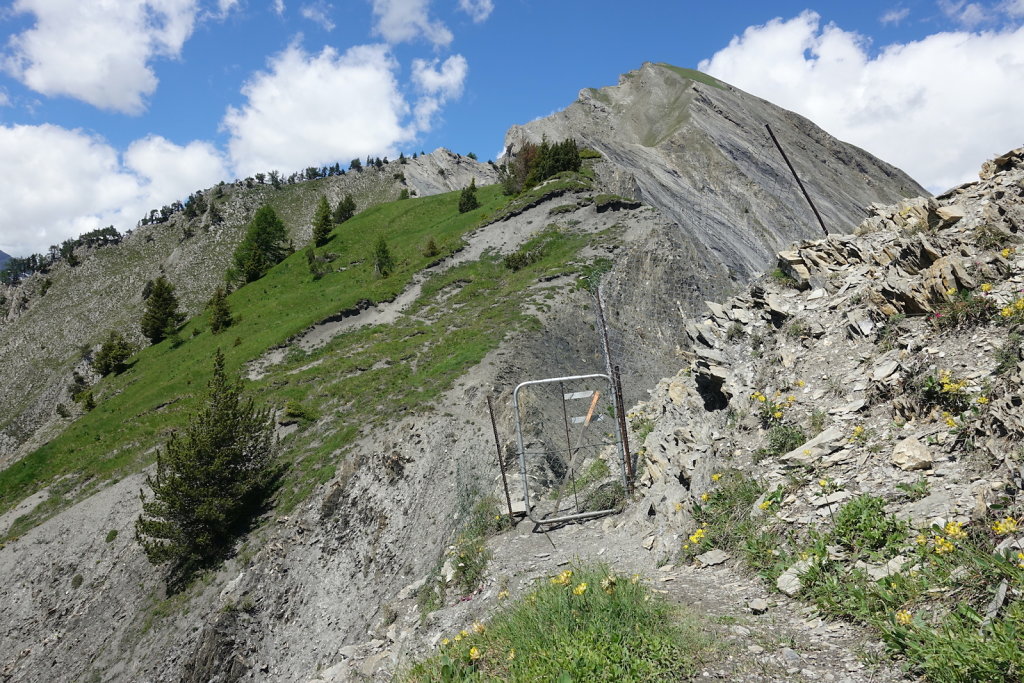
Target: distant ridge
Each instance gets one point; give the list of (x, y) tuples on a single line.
[(4, 258)]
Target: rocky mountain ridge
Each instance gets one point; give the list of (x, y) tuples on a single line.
[(307, 587)]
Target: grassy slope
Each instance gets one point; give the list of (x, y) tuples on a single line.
[(349, 386)]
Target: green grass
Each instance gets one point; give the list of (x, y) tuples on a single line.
[(613, 629), (365, 376), (694, 76)]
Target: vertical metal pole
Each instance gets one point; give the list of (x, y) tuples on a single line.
[(617, 381), (568, 445), (793, 171), (501, 468), (620, 409)]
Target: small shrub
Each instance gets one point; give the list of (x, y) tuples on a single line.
[(963, 310), (76, 581), (1008, 354), (431, 250), (111, 535), (945, 391), (588, 153), (300, 413), (817, 422), (798, 329), (783, 279), (916, 491), (863, 527), (782, 439), (734, 331), (564, 208)]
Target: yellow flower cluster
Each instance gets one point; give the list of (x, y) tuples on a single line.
[(982, 400), (986, 287), (943, 545), (765, 505), (474, 653), (503, 595), (903, 617), (955, 530), (580, 589), (479, 628), (608, 584), (1014, 309), (951, 291), (1006, 253), (563, 578), (1007, 525), (773, 408), (716, 476), (859, 433), (948, 418), (951, 385), (1020, 560), (697, 536)]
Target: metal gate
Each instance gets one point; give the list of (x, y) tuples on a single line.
[(571, 456)]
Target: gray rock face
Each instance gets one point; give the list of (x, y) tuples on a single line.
[(697, 149)]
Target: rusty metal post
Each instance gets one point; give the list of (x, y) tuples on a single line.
[(617, 383), (793, 171), (501, 468)]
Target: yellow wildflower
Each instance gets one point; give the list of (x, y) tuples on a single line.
[(801, 383), (986, 287), (444, 641), (716, 476), (777, 414), (1006, 312), (503, 595), (464, 633), (479, 628), (1020, 557), (762, 398), (982, 400), (511, 654), (903, 617), (458, 637), (823, 483), (704, 497), (955, 530), (951, 291), (679, 506), (921, 540), (766, 505), (580, 589), (608, 584), (697, 536), (943, 545), (563, 578), (1005, 253), (474, 653), (635, 579), (950, 422), (1005, 526)]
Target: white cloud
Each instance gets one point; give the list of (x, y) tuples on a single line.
[(317, 109), (225, 6), (320, 13), (966, 14), (438, 85), (478, 10), (60, 183), (1014, 8), (399, 21), (895, 16), (5, 100), (98, 52), (279, 7), (937, 107)]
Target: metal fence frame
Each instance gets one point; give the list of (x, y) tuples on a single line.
[(522, 448)]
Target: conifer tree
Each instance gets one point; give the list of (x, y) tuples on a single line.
[(263, 246), (346, 209), (220, 314), (112, 355), (467, 199), (161, 317), (322, 222), (211, 479), (383, 262)]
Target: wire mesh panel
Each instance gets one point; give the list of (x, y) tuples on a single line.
[(570, 449)]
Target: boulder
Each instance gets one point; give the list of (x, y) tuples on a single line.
[(910, 454)]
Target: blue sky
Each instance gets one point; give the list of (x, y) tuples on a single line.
[(109, 109)]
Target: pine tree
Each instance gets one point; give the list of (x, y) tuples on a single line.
[(161, 317), (346, 209), (467, 199), (220, 314), (210, 480), (383, 263), (322, 222), (262, 247), (112, 355)]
